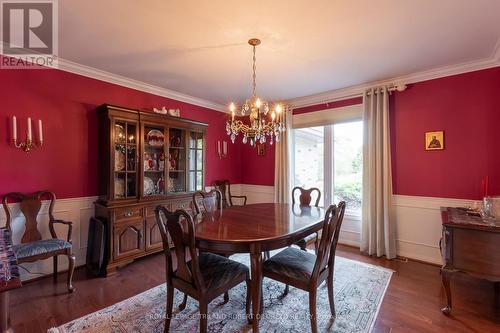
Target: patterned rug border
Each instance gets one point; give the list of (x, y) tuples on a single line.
[(388, 270)]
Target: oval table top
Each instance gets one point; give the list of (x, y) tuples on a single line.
[(272, 225)]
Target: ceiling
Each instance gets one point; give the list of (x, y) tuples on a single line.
[(199, 47)]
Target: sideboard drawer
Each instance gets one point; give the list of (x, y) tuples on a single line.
[(127, 214)]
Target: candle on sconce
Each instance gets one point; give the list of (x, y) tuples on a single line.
[(29, 129), (40, 131), (224, 148), (14, 128)]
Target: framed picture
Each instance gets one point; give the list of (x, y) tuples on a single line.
[(434, 140), (260, 149)]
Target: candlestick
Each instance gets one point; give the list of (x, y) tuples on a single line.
[(14, 128), (29, 129), (40, 131)]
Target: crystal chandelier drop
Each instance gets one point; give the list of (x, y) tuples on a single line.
[(265, 122)]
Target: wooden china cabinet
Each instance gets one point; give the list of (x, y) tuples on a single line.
[(145, 160)]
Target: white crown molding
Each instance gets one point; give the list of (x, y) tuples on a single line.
[(94, 73), (435, 73)]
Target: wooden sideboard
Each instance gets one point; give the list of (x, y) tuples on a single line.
[(469, 245), (145, 160)]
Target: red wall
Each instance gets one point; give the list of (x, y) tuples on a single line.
[(467, 108), (67, 164)]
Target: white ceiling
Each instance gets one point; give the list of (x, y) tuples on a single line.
[(199, 47)]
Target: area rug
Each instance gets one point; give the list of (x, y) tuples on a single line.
[(359, 291)]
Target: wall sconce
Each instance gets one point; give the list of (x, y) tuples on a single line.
[(222, 149), (29, 143)]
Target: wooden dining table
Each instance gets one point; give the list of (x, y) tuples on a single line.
[(255, 229)]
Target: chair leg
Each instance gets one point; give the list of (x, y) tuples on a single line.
[(316, 244), (312, 310), (71, 269), (226, 297), (248, 303), (331, 299), (285, 292), (170, 305), (55, 268), (203, 317), (182, 306)]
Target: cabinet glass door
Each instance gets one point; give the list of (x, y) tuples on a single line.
[(153, 160), (177, 160), (196, 161), (124, 159)]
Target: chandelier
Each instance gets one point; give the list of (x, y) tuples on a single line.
[(264, 121)]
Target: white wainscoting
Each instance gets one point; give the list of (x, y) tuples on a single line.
[(76, 210), (418, 221)]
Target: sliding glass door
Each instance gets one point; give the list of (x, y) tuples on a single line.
[(330, 158)]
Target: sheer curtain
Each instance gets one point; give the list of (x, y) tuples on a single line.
[(282, 162), (377, 230)]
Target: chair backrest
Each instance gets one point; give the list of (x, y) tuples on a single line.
[(207, 202), (329, 238), (305, 197), (224, 186), (30, 205), (179, 225)]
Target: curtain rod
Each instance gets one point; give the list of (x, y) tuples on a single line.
[(399, 88)]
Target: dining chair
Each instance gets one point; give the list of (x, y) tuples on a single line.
[(224, 186), (305, 199), (33, 247), (207, 202), (307, 271), (201, 275)]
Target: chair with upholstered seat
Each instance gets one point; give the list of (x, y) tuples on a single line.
[(305, 199), (203, 276), (33, 247), (306, 271), (224, 186)]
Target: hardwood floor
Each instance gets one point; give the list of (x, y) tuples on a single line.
[(412, 302)]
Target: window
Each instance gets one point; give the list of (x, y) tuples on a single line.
[(330, 158), (348, 165), (309, 161)]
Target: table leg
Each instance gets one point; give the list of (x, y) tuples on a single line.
[(256, 286), (4, 313)]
